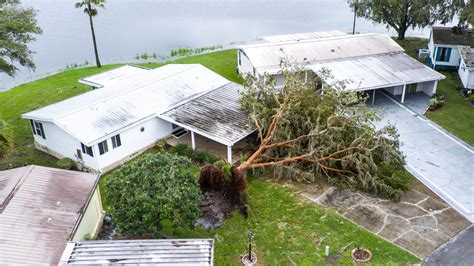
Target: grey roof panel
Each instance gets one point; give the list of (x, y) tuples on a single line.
[(155, 251), (216, 114), (446, 36)]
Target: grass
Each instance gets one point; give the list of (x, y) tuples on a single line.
[(291, 232), (457, 115), (36, 94)]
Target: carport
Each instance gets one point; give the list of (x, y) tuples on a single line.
[(395, 73), (215, 115)]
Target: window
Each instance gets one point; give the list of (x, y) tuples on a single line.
[(444, 54), (37, 128), (79, 154), (103, 148), (87, 150), (116, 142)]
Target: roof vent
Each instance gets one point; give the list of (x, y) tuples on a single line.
[(332, 50)]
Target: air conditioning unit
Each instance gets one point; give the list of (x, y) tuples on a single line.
[(423, 54)]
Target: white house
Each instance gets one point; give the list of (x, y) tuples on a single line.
[(42, 209), (132, 108), (466, 67), (369, 62), (443, 45)]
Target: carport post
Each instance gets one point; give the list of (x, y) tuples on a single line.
[(403, 93), (229, 154), (193, 140), (373, 97)]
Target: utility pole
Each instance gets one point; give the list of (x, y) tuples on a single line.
[(354, 23)]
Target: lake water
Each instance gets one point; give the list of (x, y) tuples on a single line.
[(128, 27)]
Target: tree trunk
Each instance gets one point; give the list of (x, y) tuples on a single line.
[(97, 62), (401, 33)]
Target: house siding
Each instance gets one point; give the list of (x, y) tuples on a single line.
[(245, 66), (92, 218), (60, 144), (466, 75), (454, 58), (133, 141)]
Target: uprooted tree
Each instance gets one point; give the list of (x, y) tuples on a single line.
[(308, 132)]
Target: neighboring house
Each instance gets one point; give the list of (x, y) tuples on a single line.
[(466, 68), (443, 45), (42, 209), (177, 252), (132, 108), (367, 62)]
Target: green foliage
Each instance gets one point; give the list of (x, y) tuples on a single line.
[(402, 15), (470, 97), (18, 27), (190, 51), (307, 133), (66, 163), (197, 156), (154, 188), (90, 6), (6, 139)]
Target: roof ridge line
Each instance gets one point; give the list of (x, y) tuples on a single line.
[(121, 94)]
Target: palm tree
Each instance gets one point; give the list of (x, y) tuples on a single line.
[(90, 8), (6, 139)]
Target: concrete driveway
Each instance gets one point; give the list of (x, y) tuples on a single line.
[(457, 252), (437, 158)]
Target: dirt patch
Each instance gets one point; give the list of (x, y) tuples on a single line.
[(215, 209)]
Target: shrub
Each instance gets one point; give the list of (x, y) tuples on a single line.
[(6, 139), (470, 97), (66, 163), (197, 156), (151, 190)]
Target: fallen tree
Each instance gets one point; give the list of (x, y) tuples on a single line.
[(307, 132)]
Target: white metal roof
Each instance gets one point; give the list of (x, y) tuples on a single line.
[(40, 212), (303, 36), (215, 115), (119, 73), (267, 57), (98, 113), (378, 71), (189, 252)]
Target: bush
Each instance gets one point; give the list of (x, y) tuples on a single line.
[(66, 163), (153, 189), (197, 156)]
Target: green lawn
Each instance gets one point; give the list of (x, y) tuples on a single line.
[(457, 115), (64, 85), (291, 232)]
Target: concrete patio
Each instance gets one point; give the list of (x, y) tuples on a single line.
[(241, 148), (437, 158)]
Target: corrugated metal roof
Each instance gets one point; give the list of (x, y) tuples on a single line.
[(303, 36), (377, 71), (96, 114), (42, 212), (268, 56), (216, 115), (153, 251), (119, 73)]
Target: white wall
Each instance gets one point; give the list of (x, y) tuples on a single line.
[(245, 66), (466, 75), (61, 144), (133, 140), (397, 90), (454, 58), (91, 219)]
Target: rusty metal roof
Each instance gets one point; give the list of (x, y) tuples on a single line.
[(41, 209), (152, 251), (215, 115)]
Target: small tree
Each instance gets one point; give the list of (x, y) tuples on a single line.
[(151, 189), (6, 139), (90, 8), (17, 29), (309, 133), (404, 14)]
